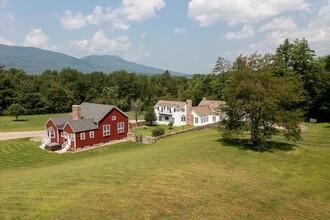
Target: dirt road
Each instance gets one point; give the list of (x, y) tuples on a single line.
[(22, 134)]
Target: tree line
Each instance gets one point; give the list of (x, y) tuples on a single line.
[(56, 91)]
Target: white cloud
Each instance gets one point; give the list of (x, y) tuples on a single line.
[(120, 25), (36, 38), (208, 12), (140, 10), (179, 31), (97, 16), (80, 44), (100, 43), (140, 55), (246, 32), (129, 10), (281, 23), (70, 21), (7, 42)]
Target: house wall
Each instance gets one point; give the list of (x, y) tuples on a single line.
[(69, 132), (169, 111), (98, 134), (209, 121), (50, 124)]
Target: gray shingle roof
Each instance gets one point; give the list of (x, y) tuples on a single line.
[(91, 115), (60, 121), (96, 111), (82, 125)]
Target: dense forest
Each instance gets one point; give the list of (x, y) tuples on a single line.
[(56, 91)]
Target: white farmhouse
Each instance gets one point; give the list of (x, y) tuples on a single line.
[(167, 111), (183, 113)]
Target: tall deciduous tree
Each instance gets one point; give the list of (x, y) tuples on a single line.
[(260, 101), (298, 59), (136, 108)]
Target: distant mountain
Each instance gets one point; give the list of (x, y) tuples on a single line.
[(36, 61)]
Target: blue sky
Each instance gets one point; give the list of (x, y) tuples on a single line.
[(182, 35)]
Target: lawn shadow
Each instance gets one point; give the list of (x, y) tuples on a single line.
[(245, 144), (19, 120)]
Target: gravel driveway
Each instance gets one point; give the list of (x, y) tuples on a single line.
[(22, 134)]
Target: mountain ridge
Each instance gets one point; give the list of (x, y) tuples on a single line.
[(35, 61)]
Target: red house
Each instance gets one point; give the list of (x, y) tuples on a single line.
[(89, 124)]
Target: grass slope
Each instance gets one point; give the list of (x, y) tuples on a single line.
[(189, 176), (33, 122), (25, 122)]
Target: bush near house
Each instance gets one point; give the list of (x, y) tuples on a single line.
[(158, 131)]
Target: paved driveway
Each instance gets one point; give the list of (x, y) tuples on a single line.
[(22, 134)]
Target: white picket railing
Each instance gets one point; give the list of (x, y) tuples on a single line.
[(45, 141), (65, 147)]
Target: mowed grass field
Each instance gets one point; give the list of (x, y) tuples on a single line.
[(25, 122), (188, 176), (33, 122)]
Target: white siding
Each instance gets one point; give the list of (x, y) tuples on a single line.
[(171, 113)]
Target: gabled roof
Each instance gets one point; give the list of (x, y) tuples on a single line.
[(82, 125), (214, 104), (91, 115), (96, 111), (176, 104), (202, 110), (60, 121)]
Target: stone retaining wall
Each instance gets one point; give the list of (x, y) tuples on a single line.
[(150, 140), (138, 124)]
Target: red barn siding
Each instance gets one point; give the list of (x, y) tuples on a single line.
[(69, 132), (98, 133), (50, 124)]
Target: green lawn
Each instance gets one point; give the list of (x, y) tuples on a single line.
[(188, 176), (147, 130), (32, 122), (25, 123)]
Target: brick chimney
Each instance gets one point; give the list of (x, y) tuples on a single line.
[(76, 110), (190, 117)]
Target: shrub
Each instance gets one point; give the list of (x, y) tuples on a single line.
[(170, 125), (149, 115), (158, 131)]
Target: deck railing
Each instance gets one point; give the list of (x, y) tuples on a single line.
[(45, 141)]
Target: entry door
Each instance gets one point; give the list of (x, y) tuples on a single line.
[(69, 139)]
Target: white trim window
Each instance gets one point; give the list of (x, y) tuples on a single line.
[(91, 134), (71, 137), (196, 120), (106, 130), (82, 136), (121, 128), (214, 118), (113, 118), (204, 119), (51, 134)]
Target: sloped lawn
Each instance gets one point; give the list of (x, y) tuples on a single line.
[(188, 176)]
